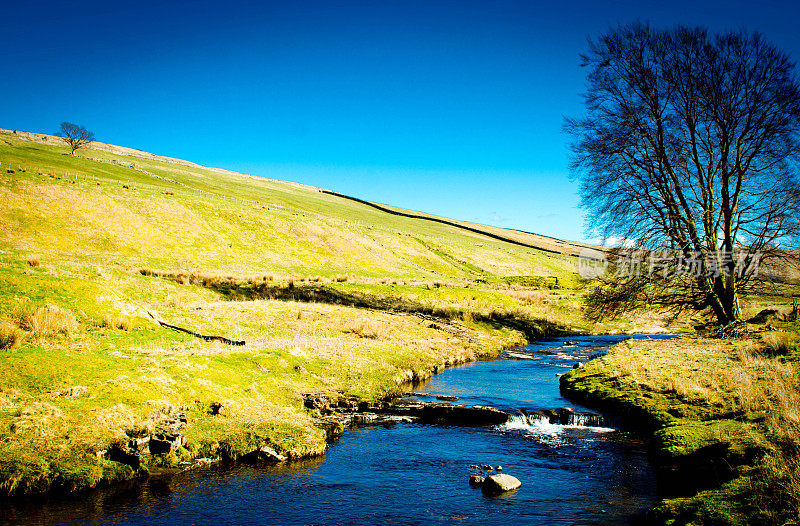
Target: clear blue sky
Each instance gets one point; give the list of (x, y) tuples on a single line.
[(453, 108)]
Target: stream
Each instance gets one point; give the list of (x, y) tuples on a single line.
[(410, 473)]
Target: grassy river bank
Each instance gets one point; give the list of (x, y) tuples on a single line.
[(723, 417)]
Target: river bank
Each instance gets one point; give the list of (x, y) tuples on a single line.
[(162, 409), (723, 417)]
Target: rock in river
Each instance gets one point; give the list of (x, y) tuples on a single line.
[(476, 481), (500, 483), (445, 413)]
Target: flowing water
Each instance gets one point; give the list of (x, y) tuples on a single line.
[(415, 474)]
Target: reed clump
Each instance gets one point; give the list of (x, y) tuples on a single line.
[(50, 320), (111, 321), (10, 335), (775, 343), (365, 329)]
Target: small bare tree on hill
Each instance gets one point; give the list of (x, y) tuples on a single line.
[(689, 149), (75, 136)]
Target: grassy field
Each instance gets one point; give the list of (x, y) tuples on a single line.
[(328, 295)]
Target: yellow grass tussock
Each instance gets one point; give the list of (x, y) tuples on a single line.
[(50, 320), (115, 322), (10, 335)]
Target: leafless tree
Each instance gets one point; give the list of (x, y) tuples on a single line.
[(75, 136), (689, 147)]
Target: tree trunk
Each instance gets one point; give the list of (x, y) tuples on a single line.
[(724, 300)]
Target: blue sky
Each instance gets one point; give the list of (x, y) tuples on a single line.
[(453, 108)]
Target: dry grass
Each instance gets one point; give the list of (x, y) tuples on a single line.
[(775, 343), (782, 475), (50, 320), (769, 385), (366, 329), (772, 387), (10, 335), (116, 322), (531, 298)]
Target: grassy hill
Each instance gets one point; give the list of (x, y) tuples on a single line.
[(157, 212), (102, 252)]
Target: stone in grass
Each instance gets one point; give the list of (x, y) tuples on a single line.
[(162, 443), (476, 481), (500, 483)]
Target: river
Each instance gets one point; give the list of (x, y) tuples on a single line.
[(413, 474)]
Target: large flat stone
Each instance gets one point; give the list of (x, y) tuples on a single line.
[(500, 483)]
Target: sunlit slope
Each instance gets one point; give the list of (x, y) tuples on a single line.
[(139, 210)]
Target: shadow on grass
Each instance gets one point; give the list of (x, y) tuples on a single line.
[(254, 289)]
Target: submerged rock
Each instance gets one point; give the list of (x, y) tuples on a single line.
[(447, 398), (500, 483), (476, 481)]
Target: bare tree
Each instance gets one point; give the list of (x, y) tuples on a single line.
[(690, 147), (74, 135)]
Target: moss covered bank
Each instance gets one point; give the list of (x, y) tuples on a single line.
[(719, 415)]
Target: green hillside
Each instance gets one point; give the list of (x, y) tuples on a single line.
[(184, 216)]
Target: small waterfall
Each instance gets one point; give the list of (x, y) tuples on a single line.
[(585, 420), (538, 419), (516, 422), (552, 422), (533, 423)]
